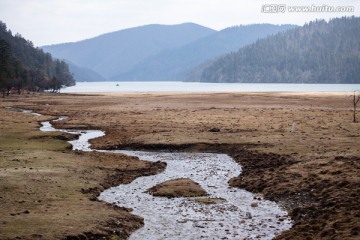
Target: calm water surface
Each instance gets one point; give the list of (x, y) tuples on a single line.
[(82, 87)]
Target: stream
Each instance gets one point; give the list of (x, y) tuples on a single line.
[(239, 215)]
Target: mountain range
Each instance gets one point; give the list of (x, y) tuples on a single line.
[(318, 52), (117, 52), (155, 52), (175, 63)]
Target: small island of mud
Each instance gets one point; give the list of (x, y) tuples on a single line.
[(182, 187)]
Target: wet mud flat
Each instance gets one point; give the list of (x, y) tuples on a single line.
[(313, 172)]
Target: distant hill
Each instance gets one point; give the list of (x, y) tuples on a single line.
[(318, 52), (175, 63), (24, 66), (118, 52), (82, 74)]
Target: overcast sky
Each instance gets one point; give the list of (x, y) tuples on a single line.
[(57, 21)]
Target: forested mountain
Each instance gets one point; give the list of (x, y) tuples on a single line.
[(23, 66), (174, 64), (318, 52), (118, 52)]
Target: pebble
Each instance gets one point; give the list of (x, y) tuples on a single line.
[(254, 204)]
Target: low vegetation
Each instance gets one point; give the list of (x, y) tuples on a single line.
[(182, 187), (313, 172), (49, 192)]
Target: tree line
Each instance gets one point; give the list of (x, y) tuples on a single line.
[(26, 68), (318, 52)]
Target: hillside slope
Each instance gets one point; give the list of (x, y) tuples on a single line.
[(82, 74), (175, 64), (24, 66), (318, 52), (118, 52)]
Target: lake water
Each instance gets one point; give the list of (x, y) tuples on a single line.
[(82, 87)]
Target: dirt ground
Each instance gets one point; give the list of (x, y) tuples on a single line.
[(313, 171)]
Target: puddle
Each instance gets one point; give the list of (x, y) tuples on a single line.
[(242, 215)]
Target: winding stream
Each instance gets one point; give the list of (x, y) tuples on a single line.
[(242, 215)]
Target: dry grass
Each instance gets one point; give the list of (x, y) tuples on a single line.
[(325, 147), (42, 184), (182, 187), (210, 200)]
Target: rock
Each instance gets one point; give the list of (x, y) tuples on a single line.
[(214, 129), (248, 215)]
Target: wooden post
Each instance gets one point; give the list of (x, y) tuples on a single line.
[(355, 101)]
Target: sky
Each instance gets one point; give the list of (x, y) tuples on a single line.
[(46, 22)]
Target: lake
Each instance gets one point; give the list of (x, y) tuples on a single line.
[(82, 87)]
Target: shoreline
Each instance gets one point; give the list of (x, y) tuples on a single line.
[(285, 93), (287, 171)]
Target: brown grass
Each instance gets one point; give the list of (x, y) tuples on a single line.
[(314, 172), (182, 187), (210, 200), (45, 188)]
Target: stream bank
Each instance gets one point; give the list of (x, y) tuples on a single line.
[(240, 215)]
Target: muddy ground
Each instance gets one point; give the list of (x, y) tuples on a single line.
[(313, 172)]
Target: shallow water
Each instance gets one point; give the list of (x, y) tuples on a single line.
[(24, 111), (184, 218), (80, 144)]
